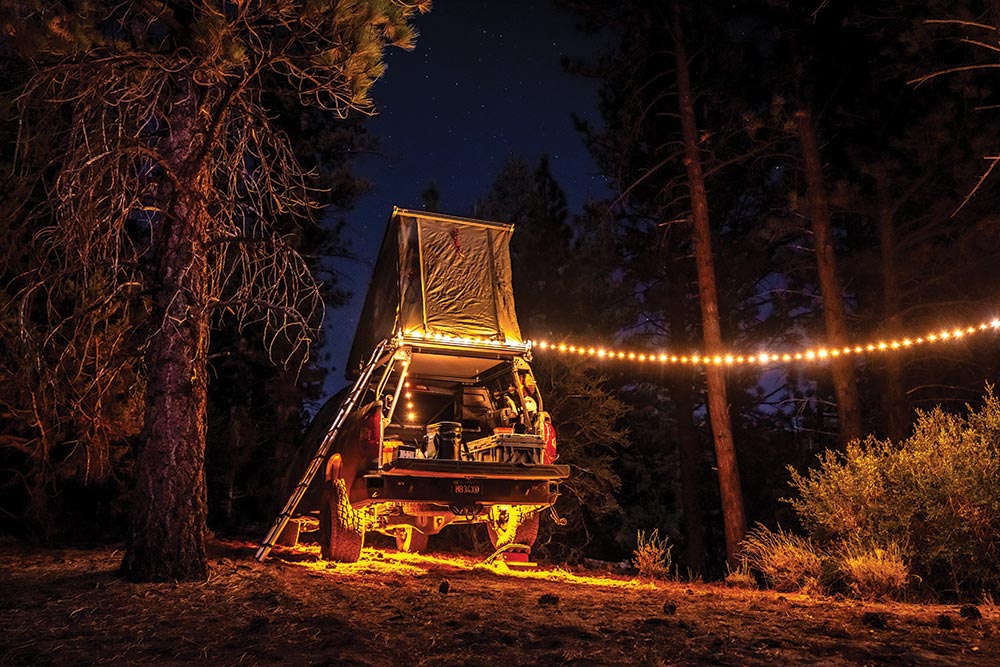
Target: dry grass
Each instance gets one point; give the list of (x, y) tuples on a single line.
[(788, 562), (741, 577), (874, 572), (653, 555)]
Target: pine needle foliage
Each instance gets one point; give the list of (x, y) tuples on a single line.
[(125, 83)]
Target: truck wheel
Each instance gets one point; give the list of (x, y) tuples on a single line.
[(410, 540), (511, 525), (341, 531)]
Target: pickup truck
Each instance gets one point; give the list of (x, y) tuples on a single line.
[(444, 423), (457, 435)]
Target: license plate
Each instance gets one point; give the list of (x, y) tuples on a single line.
[(465, 489)]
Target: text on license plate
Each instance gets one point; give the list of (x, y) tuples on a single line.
[(465, 489)]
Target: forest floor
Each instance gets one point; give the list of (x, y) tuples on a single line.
[(68, 607)]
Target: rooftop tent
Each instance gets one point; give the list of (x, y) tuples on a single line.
[(438, 274)]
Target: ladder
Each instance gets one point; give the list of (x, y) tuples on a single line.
[(357, 391)]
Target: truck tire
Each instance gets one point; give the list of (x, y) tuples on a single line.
[(509, 525), (341, 531), (410, 540)]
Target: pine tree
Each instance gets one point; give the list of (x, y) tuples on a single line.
[(171, 134), (731, 493)]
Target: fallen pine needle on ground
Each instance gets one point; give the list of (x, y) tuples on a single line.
[(69, 607)]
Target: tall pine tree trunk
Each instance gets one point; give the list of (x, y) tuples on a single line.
[(734, 516), (844, 382), (896, 408), (166, 539), (688, 451), (682, 393)]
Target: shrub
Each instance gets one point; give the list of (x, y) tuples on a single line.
[(788, 562), (741, 577), (873, 572), (652, 556), (937, 493)]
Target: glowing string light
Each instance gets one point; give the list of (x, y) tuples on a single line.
[(764, 358)]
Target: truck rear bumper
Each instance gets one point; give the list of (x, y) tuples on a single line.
[(473, 469), (464, 483)]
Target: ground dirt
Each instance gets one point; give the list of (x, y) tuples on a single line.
[(69, 607)]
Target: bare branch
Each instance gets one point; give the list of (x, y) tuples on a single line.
[(951, 70), (989, 170), (961, 22)]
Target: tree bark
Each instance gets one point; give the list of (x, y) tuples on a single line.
[(734, 516), (897, 409), (166, 540), (844, 381), (688, 449)]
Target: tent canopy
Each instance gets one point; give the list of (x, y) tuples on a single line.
[(438, 274)]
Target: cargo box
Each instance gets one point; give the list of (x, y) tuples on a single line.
[(508, 448)]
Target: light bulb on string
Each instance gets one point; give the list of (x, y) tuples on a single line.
[(763, 358)]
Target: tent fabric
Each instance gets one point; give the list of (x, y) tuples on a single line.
[(378, 314), (439, 274)]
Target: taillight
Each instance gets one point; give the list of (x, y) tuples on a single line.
[(371, 434), (550, 454)]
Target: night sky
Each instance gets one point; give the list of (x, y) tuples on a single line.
[(484, 82)]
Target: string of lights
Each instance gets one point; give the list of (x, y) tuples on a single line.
[(767, 357)]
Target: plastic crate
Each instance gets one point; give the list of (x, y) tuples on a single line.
[(508, 448)]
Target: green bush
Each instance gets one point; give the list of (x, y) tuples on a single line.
[(937, 493), (787, 562)]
